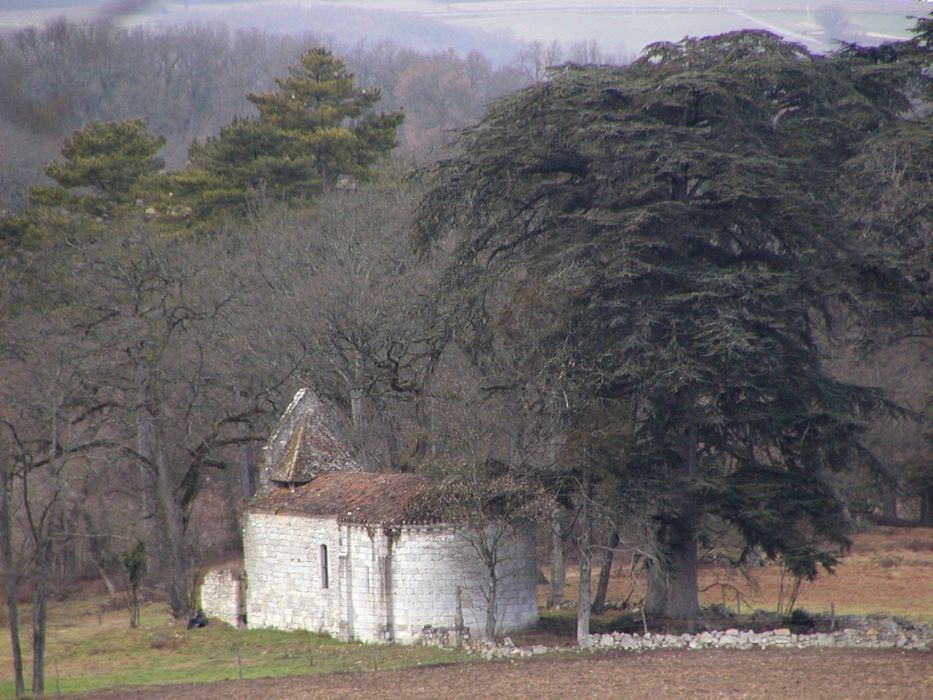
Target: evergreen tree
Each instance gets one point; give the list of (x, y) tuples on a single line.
[(317, 127), (107, 168), (677, 224), (104, 164)]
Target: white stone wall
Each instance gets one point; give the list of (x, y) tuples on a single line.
[(421, 566), (364, 583), (281, 554), (430, 564), (221, 596)]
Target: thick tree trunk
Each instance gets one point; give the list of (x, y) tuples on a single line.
[(558, 568), (99, 555), (173, 525), (602, 587), (586, 559), (108, 584), (672, 582), (170, 517), (9, 580), (424, 448), (64, 557), (672, 589)]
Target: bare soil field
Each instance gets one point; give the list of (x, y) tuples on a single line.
[(773, 674)]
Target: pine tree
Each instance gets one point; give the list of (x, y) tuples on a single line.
[(107, 168), (104, 164), (315, 128)]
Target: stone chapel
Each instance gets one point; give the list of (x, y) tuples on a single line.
[(328, 547)]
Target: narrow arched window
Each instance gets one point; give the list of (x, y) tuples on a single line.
[(324, 581)]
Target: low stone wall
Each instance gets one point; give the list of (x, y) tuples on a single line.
[(222, 596), (863, 634), (446, 637)]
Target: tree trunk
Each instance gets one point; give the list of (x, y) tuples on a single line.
[(145, 426), (174, 530), (491, 603), (99, 555), (888, 500), (108, 584), (9, 580), (672, 581), (40, 596), (672, 587), (558, 568), (926, 505), (602, 588), (170, 516), (246, 463), (586, 558), (424, 447)]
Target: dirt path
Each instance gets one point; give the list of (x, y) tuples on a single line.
[(772, 674)]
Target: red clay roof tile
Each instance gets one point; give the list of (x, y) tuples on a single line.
[(353, 498)]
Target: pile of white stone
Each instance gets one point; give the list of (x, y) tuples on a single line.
[(864, 634)]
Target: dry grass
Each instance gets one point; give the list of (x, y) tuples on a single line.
[(888, 571)]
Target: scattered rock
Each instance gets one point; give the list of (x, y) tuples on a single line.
[(864, 633)]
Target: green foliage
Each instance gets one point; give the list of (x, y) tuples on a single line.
[(246, 162), (684, 216), (134, 565), (316, 128), (133, 561), (107, 168), (923, 32), (106, 162)]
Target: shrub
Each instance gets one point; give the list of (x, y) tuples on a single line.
[(799, 621)]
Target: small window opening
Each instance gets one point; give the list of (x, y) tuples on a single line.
[(324, 581)]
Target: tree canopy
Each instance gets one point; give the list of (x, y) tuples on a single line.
[(317, 127), (675, 226), (105, 169)]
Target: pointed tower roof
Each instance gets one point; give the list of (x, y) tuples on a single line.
[(308, 442)]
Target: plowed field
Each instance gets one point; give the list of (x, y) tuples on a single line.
[(771, 674)]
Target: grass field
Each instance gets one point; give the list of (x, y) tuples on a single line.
[(889, 571), (89, 650)]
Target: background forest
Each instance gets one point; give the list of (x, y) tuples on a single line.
[(197, 223)]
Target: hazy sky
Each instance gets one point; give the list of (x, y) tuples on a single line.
[(619, 26)]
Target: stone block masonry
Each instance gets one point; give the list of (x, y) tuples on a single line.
[(222, 596), (373, 584)]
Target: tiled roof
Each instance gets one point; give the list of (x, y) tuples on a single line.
[(390, 499), (307, 442)]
